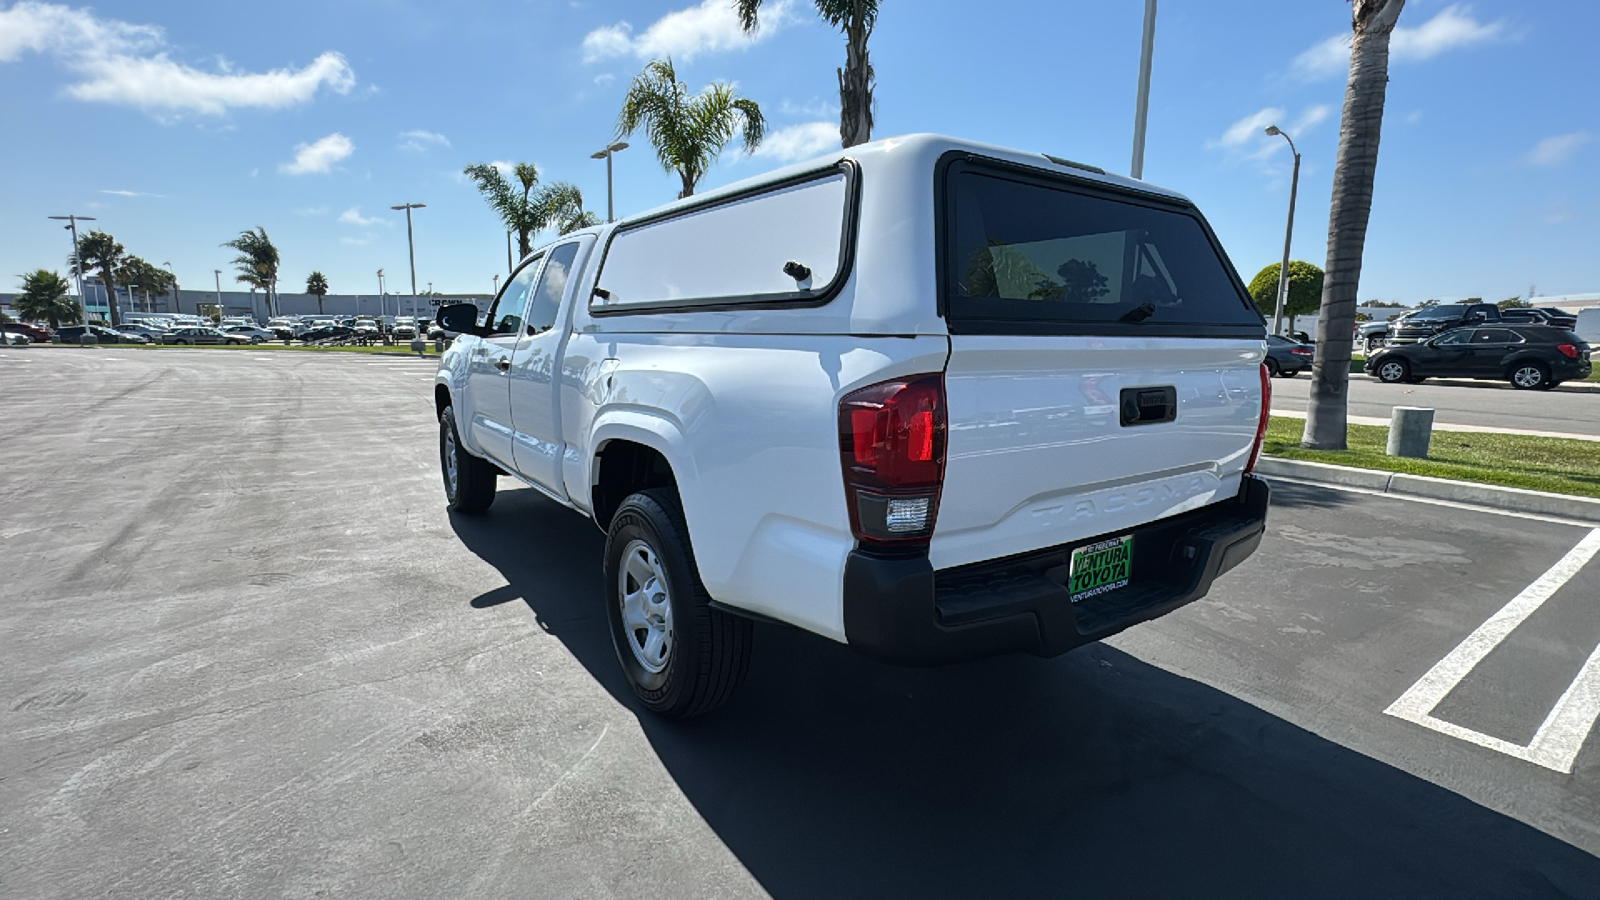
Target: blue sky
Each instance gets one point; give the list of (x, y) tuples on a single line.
[(178, 124)]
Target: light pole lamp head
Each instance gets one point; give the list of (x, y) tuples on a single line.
[(619, 145), (600, 154), (1273, 130)]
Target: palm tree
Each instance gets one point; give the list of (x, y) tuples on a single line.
[(1353, 171), (99, 250), (44, 298), (257, 263), (688, 131), (153, 279), (317, 284), (535, 208), (856, 19)]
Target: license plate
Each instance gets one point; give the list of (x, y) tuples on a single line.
[(1100, 568)]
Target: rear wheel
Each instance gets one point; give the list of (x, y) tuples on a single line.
[(1530, 376), (1272, 367), (469, 481), (682, 657), (1393, 371)]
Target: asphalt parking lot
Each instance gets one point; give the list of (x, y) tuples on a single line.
[(247, 653)]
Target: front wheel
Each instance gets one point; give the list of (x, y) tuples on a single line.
[(1530, 377), (682, 657), (469, 481), (1272, 367), (1393, 371)]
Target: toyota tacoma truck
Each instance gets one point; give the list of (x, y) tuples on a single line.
[(929, 398)]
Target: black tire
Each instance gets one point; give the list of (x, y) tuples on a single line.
[(1272, 367), (707, 651), (1415, 379), (1393, 371), (471, 491), (180, 342), (1290, 374), (1530, 376)]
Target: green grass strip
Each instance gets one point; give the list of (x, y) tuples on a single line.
[(1557, 465)]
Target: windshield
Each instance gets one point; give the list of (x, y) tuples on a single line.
[(1438, 312)]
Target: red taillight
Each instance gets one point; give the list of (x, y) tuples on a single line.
[(892, 445), (1300, 351), (1266, 415), (1568, 350)]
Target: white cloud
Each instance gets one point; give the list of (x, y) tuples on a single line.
[(797, 142), (128, 193), (311, 211), (420, 141), (1453, 27), (357, 242), (605, 78), (1553, 151), (128, 64), (1247, 138), (353, 216), (319, 155), (707, 27)]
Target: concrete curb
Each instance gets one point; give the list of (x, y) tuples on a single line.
[(1582, 509)]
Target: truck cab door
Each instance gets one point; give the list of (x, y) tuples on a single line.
[(1447, 355), (489, 366), (537, 445)]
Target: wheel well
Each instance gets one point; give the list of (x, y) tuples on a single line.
[(623, 468), (441, 399)]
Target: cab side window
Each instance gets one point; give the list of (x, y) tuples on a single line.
[(506, 315), (1493, 336), (1454, 337), (546, 305)]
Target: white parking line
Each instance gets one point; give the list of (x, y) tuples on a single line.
[(1556, 744)]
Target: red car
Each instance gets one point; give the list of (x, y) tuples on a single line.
[(39, 334)]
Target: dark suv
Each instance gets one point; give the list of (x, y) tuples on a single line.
[(1539, 316), (1529, 356), (1432, 320)]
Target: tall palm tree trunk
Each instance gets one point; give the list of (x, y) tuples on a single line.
[(1357, 164), (855, 83), (112, 311)]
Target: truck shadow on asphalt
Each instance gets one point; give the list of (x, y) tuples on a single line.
[(1094, 773)]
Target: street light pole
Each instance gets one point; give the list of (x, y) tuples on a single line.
[(606, 154), (1147, 48), (1288, 234), (77, 262), (408, 207), (219, 291)]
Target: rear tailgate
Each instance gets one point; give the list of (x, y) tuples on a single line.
[(1104, 368)]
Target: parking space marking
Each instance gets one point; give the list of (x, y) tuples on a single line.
[(1408, 498), (1561, 735)]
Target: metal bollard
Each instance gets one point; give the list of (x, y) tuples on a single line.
[(1410, 430), (88, 340), (438, 345), (418, 345)]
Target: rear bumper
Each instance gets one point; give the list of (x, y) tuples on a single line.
[(900, 610)]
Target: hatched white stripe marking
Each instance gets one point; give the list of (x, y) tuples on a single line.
[(1561, 736)]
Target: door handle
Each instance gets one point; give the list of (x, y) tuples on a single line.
[(503, 363)]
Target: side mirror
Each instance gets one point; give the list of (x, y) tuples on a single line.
[(461, 318)]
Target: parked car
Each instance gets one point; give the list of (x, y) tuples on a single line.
[(14, 339), (38, 334), (131, 336), (1432, 320), (1287, 358), (145, 331), (1531, 357), (73, 334), (405, 328), (326, 333), (928, 398), (367, 328), (202, 336), (254, 334)]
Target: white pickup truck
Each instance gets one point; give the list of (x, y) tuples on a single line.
[(930, 398)]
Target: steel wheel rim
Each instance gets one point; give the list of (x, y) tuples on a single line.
[(1528, 376), (450, 459), (646, 606), (1392, 371)]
